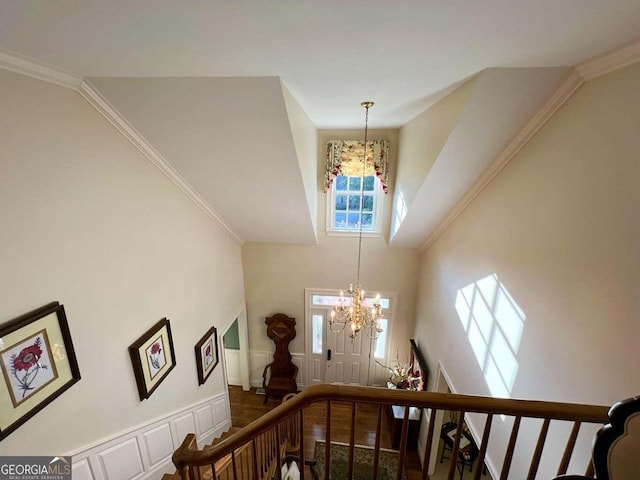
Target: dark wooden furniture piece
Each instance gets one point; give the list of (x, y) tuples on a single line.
[(395, 417), (616, 446), (279, 377), (421, 367), (467, 451), (395, 413)]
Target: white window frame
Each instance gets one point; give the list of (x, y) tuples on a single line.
[(378, 196)]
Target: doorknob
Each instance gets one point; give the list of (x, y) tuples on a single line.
[(329, 354)]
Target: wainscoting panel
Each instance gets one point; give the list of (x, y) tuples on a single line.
[(185, 424), (144, 452), (221, 408), (205, 418), (159, 443), (122, 460), (260, 359), (81, 470)]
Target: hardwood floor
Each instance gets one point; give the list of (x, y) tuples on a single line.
[(248, 406)]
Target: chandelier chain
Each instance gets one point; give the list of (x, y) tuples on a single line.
[(366, 105), (357, 314)]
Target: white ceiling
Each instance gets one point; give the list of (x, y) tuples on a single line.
[(330, 54)]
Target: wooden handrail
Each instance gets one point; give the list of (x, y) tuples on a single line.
[(188, 454)]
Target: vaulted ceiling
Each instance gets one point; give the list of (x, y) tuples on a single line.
[(211, 85)]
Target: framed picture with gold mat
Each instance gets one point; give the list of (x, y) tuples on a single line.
[(38, 364)]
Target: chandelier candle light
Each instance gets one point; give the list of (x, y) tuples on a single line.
[(358, 315)]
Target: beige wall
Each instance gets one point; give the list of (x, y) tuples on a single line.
[(559, 228), (305, 138), (277, 274), (88, 221), (421, 140)]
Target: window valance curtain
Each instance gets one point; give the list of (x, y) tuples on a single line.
[(344, 157)]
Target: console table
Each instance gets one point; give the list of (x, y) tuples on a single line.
[(395, 417)]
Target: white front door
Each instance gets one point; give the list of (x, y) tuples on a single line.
[(350, 360), (333, 357)]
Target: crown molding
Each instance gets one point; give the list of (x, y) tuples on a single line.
[(570, 84), (15, 63), (91, 95), (18, 64), (610, 61)]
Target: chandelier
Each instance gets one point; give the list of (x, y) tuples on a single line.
[(358, 315)]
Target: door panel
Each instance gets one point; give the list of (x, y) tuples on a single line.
[(349, 362)]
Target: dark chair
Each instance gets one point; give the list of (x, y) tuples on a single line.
[(466, 455), (279, 377), (616, 448)]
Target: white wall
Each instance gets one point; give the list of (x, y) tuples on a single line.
[(558, 226), (86, 220)]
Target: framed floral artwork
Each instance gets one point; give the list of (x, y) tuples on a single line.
[(38, 364), (207, 354), (152, 357)]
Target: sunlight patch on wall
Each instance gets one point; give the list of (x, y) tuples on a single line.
[(494, 323), (399, 211)]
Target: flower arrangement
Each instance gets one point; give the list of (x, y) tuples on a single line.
[(402, 375)]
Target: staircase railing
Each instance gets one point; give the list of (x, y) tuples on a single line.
[(256, 451)]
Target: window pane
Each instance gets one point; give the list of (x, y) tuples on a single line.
[(381, 342), (348, 201), (325, 299), (341, 182), (316, 334), (369, 183)]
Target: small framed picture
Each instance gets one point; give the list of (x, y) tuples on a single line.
[(38, 364), (207, 354), (152, 357)]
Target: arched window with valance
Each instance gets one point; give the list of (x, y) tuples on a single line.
[(344, 157)]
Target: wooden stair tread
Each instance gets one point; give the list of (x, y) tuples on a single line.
[(224, 436), (171, 476)]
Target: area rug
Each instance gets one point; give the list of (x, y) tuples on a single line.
[(362, 462)]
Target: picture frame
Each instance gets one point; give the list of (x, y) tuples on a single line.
[(207, 356), (37, 363), (152, 357)]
